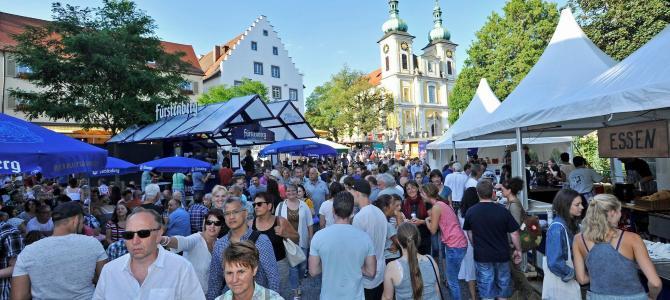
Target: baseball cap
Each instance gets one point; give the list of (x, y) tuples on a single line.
[(362, 186), (66, 210)]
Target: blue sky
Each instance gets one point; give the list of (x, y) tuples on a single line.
[(321, 36)]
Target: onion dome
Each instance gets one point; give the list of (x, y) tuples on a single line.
[(394, 23)]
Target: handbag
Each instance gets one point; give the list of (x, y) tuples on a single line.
[(294, 253), (553, 287)]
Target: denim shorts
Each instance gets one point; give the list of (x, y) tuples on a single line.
[(494, 280)]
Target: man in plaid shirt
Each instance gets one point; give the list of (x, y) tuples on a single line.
[(197, 213), (116, 250), (11, 245)]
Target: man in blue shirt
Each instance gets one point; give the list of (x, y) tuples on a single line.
[(255, 187), (316, 188), (179, 222)]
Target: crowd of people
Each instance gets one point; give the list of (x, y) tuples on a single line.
[(371, 226)]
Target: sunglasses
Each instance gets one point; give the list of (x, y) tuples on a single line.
[(143, 234), (215, 223), (259, 204)]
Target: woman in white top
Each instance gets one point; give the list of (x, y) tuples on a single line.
[(299, 216), (198, 247), (73, 191)]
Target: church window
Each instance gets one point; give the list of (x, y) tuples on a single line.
[(406, 92), (404, 62), (386, 61), (430, 66), (432, 96), (449, 69)]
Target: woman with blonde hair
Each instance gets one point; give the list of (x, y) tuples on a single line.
[(412, 276), (612, 256), (219, 196)]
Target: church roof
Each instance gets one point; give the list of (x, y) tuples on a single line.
[(11, 24), (375, 77)]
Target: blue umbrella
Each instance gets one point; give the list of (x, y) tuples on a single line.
[(298, 147), (176, 164), (116, 166), (26, 147)]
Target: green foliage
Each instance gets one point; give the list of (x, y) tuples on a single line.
[(223, 93), (90, 66), (587, 147), (504, 50), (620, 27), (348, 104)]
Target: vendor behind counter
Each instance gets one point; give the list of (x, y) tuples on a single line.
[(639, 173)]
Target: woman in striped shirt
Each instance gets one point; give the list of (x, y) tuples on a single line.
[(117, 225)]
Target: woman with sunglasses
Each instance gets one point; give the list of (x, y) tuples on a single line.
[(198, 247), (276, 228)]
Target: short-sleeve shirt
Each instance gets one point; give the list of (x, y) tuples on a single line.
[(342, 275), (117, 231), (57, 270), (178, 181), (372, 221), (490, 223), (582, 179), (198, 185), (11, 245), (326, 210)]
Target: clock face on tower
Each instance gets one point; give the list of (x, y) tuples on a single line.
[(386, 48), (450, 54), (404, 46)]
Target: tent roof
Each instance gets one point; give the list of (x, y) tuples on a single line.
[(336, 146), (215, 121), (501, 142), (568, 63), (482, 105), (635, 90)]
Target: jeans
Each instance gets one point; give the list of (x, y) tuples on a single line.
[(296, 273), (454, 258), (494, 279)]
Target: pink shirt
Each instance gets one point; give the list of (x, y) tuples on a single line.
[(452, 234)]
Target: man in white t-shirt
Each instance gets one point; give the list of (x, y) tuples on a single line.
[(343, 267), (582, 178), (42, 222), (373, 221), (63, 266), (456, 183)]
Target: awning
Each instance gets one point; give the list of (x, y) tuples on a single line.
[(216, 122)]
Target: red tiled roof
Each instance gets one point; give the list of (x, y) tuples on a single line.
[(14, 24), (375, 77), (211, 67)]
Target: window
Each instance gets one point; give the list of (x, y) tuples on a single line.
[(276, 92), (406, 91), (254, 46), (265, 32), (431, 94), (430, 66), (404, 61), (237, 83), (258, 68), (275, 71), (386, 61), (187, 87), (275, 51), (293, 94), (449, 70)]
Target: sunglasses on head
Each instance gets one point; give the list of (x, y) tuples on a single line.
[(143, 234), (215, 223), (259, 203)]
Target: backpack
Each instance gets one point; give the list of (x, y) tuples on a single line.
[(530, 233)]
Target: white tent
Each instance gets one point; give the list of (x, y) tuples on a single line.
[(567, 65), (336, 146)]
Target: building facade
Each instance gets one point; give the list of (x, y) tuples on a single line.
[(257, 54), (420, 83), (14, 76)]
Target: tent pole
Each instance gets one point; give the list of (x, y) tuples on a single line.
[(453, 149), (521, 167)]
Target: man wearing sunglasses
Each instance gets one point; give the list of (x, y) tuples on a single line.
[(235, 216), (148, 271), (62, 266)]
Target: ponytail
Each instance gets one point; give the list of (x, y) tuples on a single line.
[(408, 236), (595, 223)]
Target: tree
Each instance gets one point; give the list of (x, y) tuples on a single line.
[(348, 104), (91, 65), (620, 27), (504, 50), (223, 93)]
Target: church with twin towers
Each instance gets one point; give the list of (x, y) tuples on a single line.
[(420, 83)]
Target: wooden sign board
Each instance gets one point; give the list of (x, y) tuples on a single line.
[(649, 139)]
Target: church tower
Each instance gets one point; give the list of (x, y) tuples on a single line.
[(396, 45)]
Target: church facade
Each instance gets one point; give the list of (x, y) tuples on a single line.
[(419, 78)]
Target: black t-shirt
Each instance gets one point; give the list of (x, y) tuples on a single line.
[(640, 166), (490, 223)]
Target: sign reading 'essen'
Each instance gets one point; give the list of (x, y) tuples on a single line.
[(648, 139)]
